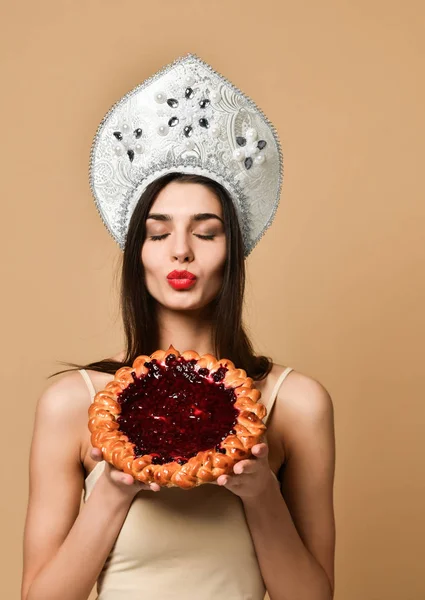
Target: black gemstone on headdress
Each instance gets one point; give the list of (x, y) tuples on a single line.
[(204, 103), (189, 92), (172, 102), (248, 162), (173, 121), (204, 123), (138, 133), (241, 141), (118, 135), (262, 144), (130, 155), (187, 130)]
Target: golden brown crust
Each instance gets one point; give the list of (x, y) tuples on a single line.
[(207, 465)]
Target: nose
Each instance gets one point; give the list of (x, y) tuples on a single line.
[(182, 250)]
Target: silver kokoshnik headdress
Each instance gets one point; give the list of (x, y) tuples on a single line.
[(187, 118)]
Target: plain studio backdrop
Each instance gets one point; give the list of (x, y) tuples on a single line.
[(335, 288)]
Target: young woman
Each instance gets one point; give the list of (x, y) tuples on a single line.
[(269, 525)]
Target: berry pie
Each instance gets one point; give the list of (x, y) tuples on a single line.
[(178, 420)]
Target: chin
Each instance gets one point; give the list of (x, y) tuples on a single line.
[(184, 304), (183, 300)]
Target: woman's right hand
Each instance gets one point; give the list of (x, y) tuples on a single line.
[(123, 481)]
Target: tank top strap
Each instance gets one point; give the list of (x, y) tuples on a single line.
[(89, 383), (275, 392)]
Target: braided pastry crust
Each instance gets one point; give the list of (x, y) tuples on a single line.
[(207, 465)]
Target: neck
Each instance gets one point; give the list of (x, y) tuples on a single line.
[(185, 330)]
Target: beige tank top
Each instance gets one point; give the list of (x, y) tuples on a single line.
[(182, 544)]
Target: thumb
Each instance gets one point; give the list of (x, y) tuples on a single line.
[(96, 454)]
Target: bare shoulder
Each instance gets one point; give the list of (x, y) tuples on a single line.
[(303, 393), (65, 402), (65, 395), (302, 405)]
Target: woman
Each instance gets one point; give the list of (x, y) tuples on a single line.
[(268, 525)]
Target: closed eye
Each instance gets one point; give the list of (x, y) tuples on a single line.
[(205, 237), (164, 235), (159, 237)]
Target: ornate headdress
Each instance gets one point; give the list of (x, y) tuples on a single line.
[(187, 118)]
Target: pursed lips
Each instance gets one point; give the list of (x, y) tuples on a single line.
[(184, 275)]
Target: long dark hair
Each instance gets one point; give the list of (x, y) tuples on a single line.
[(138, 308)]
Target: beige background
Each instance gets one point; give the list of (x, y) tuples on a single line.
[(336, 288)]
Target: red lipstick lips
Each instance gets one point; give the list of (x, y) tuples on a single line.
[(181, 275), (181, 280)]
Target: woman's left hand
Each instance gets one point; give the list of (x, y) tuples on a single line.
[(251, 476)]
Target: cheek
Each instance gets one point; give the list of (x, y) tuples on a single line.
[(151, 263), (149, 257), (221, 259), (213, 264)]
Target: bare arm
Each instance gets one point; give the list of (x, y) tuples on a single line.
[(294, 531), (64, 550), (75, 567)]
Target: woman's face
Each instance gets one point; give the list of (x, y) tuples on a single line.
[(180, 217)]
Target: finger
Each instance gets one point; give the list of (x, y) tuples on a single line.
[(153, 487), (260, 450), (123, 478), (228, 481), (96, 454), (244, 466)]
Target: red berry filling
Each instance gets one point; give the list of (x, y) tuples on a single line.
[(173, 412)]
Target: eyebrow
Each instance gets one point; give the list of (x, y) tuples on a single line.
[(196, 217)]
